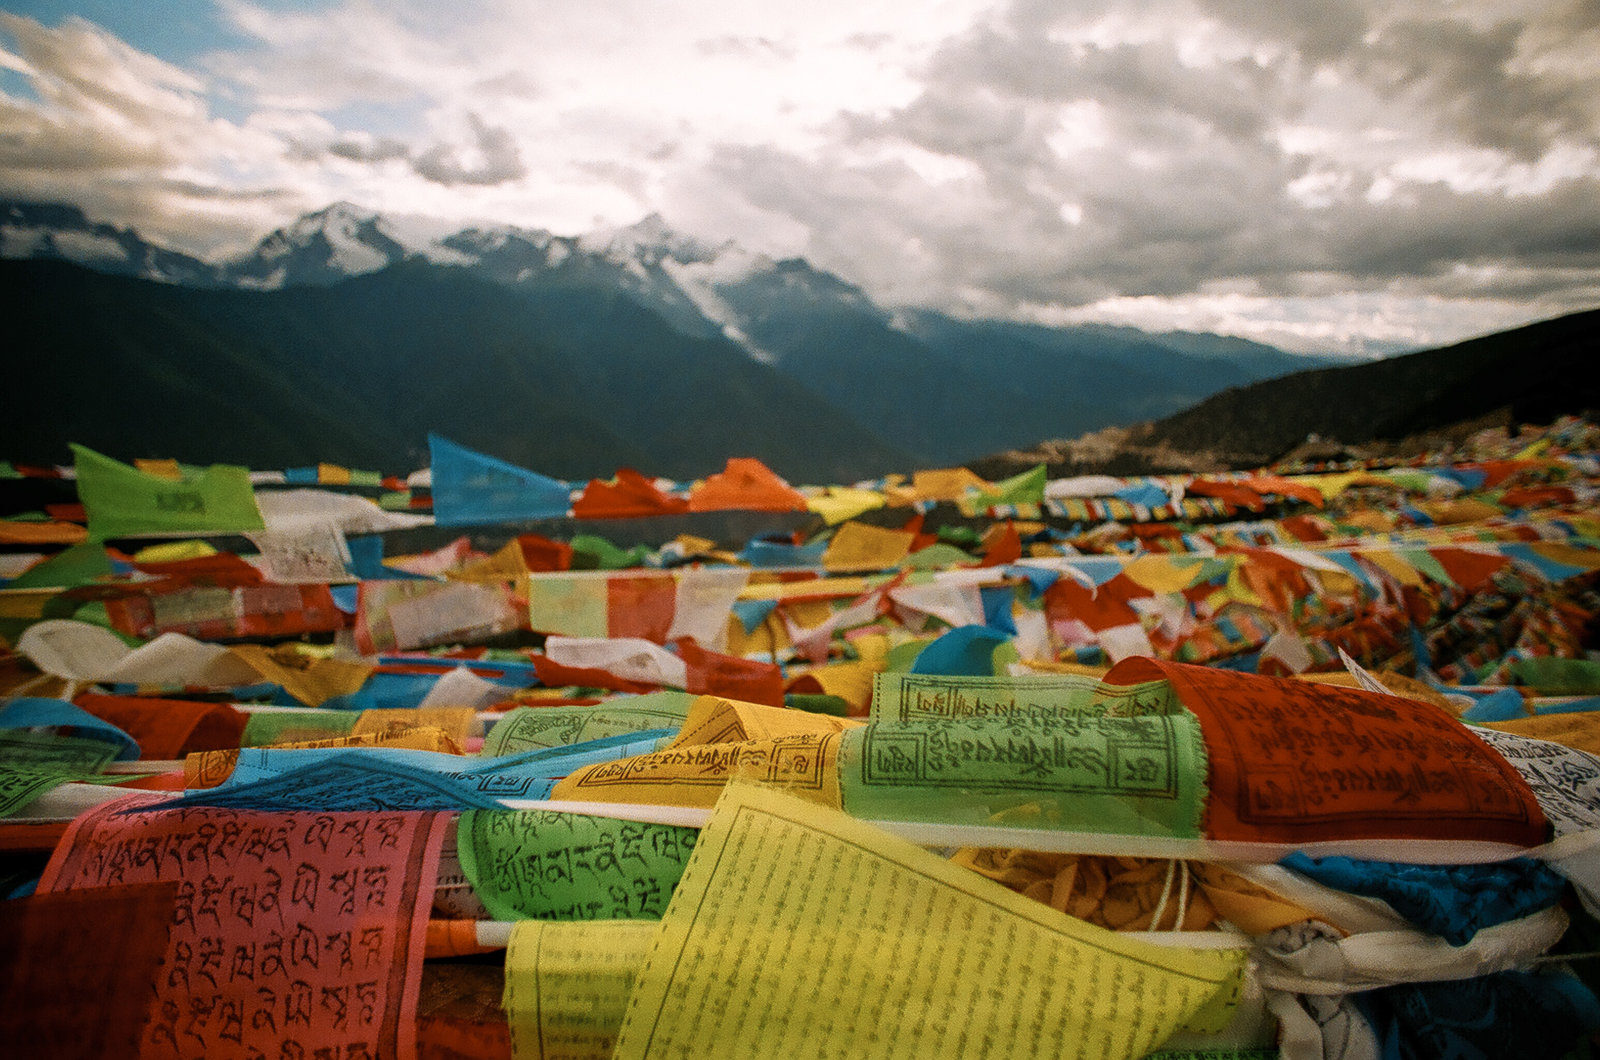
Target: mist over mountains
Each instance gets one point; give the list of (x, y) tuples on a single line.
[(348, 335)]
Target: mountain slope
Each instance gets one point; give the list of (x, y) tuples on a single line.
[(569, 384), (1538, 372)]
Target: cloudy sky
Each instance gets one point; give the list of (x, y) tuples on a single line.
[(1320, 174)]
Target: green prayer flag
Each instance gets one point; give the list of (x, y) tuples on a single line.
[(604, 554), (1026, 488), (123, 501), (80, 564), (268, 727), (549, 865), (35, 762), (536, 728), (1056, 769)]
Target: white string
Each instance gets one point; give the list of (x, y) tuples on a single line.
[(1549, 957), (1166, 891), (1183, 896)]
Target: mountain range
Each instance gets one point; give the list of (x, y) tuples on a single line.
[(348, 335)]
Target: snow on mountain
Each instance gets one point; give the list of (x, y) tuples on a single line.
[(88, 248), (701, 282), (646, 242), (424, 237), (341, 241), (63, 232)]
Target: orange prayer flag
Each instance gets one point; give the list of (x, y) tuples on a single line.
[(13, 532), (730, 676), (1284, 488), (1002, 545), (1468, 569), (641, 606), (1234, 493), (746, 484)]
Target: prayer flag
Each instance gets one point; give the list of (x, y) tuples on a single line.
[(472, 488), (123, 501), (746, 484), (654, 606)]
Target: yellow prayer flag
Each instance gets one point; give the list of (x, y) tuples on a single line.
[(812, 588), (507, 564), (1370, 520), (333, 475), (946, 484), (1330, 486), (306, 677), (1238, 587), (839, 504), (461, 723), (713, 719), (867, 946), (1462, 510), (567, 985), (1394, 566), (860, 547), (1163, 574), (694, 776), (174, 552), (851, 681), (1578, 729)]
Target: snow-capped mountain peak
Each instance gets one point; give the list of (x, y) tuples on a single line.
[(647, 241), (340, 241)]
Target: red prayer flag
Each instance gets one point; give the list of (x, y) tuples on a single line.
[(78, 969), (1293, 762), (629, 495), (169, 728), (712, 673)]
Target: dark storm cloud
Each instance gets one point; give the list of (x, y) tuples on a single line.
[(1470, 79), (1131, 80), (1432, 229)]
